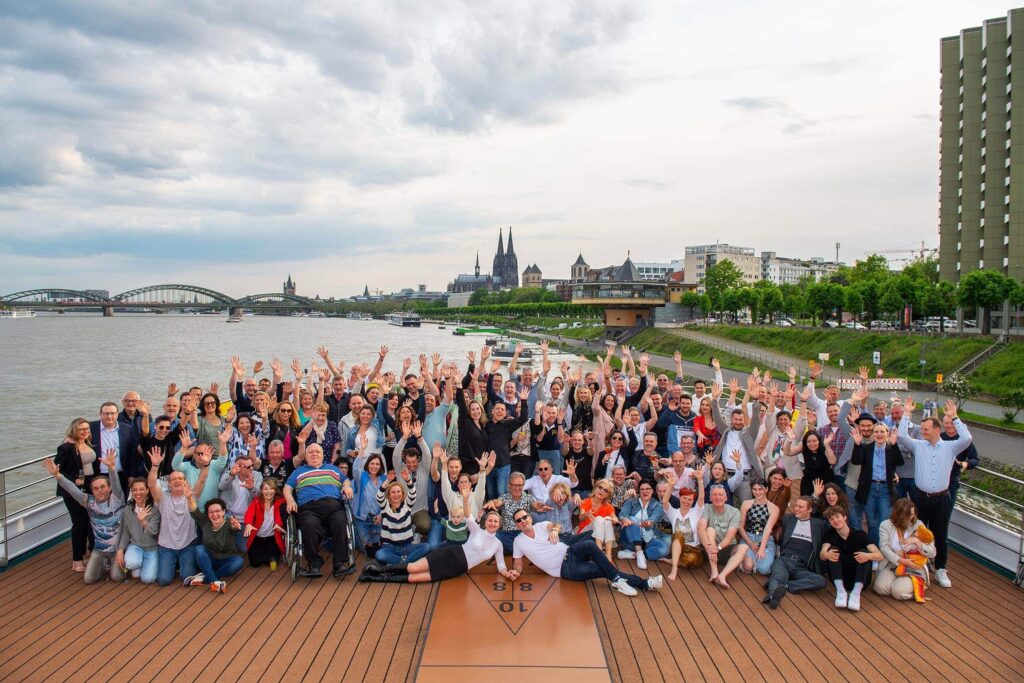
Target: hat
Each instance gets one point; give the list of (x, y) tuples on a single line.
[(372, 385), (866, 416)]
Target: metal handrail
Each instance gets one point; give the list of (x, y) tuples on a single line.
[(5, 493)]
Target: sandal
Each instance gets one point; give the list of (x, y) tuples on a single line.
[(78, 566)]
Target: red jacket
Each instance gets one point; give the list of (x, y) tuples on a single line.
[(254, 516)]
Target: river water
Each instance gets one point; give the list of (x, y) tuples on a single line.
[(59, 367)]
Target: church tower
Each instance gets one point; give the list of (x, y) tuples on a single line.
[(511, 264), (476, 270), (289, 286)]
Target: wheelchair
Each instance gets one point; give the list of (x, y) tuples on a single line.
[(293, 549)]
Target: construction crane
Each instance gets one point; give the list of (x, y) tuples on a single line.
[(913, 254)]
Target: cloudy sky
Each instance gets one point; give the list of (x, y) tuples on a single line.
[(229, 143)]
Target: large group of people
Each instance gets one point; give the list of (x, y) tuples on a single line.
[(437, 468)]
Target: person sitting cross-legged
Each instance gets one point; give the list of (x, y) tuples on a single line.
[(314, 491), (579, 560), (849, 554), (218, 556), (797, 567)]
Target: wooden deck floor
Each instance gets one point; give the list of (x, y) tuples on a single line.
[(57, 628), (694, 631)]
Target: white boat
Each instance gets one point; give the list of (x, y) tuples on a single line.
[(317, 314), (12, 313), (404, 319)]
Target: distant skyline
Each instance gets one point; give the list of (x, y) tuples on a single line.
[(386, 143)]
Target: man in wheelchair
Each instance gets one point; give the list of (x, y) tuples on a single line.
[(314, 491)]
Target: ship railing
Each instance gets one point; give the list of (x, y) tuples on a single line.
[(31, 514)]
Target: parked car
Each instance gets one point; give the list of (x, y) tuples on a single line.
[(783, 323), (880, 325), (830, 324), (854, 325)]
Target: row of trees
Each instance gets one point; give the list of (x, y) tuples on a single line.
[(868, 290)]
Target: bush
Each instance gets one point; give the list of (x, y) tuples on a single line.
[(1013, 403), (959, 388)]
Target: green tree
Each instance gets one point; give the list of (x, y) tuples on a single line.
[(479, 297), (720, 278), (771, 302), (705, 305), (939, 299), (874, 267), (923, 270), (691, 300), (890, 302), (792, 299), (870, 294), (750, 297), (730, 301), (853, 302), (985, 289), (824, 299)]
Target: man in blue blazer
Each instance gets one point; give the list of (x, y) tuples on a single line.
[(108, 433)]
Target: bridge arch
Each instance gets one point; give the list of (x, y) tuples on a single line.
[(274, 298), (64, 294), (218, 297)]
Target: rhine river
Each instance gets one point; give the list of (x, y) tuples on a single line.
[(59, 367)]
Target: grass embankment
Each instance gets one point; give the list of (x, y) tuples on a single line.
[(666, 343), (901, 353), (994, 421), (1002, 373)]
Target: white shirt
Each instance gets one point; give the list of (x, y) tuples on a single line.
[(539, 550), (614, 460), (733, 442), (110, 440), (678, 521), (541, 491), (685, 480), (802, 530), (481, 545)]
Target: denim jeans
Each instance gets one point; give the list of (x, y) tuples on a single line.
[(763, 567), (856, 509), (555, 458), (905, 487), (214, 569), (435, 537), (584, 561), (394, 553), (367, 533), (497, 481), (794, 575), (167, 559), (658, 547), (507, 538), (142, 561), (877, 508)]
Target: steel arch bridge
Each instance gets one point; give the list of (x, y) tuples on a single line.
[(154, 297), (64, 294), (190, 289)]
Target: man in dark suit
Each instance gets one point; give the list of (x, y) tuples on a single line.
[(797, 567), (108, 433)]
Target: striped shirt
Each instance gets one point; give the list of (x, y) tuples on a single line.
[(396, 525), (314, 483)]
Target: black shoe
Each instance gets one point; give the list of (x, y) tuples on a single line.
[(766, 584), (311, 572), (374, 567), (370, 578), (775, 597), (343, 570)]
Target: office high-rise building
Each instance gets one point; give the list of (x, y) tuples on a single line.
[(981, 166)]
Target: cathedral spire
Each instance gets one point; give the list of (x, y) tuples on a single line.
[(476, 271), (501, 244), (510, 249)]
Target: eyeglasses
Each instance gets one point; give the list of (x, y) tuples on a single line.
[(209, 403), (163, 428), (520, 520), (543, 469), (285, 411)]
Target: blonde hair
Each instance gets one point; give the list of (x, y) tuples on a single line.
[(456, 510), (322, 407), (563, 487), (72, 432)]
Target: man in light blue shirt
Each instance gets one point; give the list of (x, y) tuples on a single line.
[(933, 465)]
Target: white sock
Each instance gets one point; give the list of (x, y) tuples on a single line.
[(857, 588), (840, 588)]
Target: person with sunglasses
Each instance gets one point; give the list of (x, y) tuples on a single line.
[(578, 560), (165, 438), (210, 422), (239, 486)]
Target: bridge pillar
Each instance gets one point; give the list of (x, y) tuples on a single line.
[(235, 312), (108, 311)]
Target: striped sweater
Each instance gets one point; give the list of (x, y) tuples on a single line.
[(396, 525)]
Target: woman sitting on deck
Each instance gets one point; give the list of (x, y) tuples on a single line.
[(902, 546), (449, 561)]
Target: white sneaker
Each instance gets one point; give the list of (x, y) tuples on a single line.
[(854, 603), (620, 585), (942, 578), (626, 555), (641, 560), (654, 583), (842, 599), (194, 580)]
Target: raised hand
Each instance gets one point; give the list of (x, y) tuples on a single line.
[(406, 475), (863, 373), (143, 513), (819, 488), (438, 451), (323, 353), (257, 368), (51, 467), (296, 367), (524, 393), (816, 369), (214, 387), (236, 365), (110, 459), (172, 389), (570, 468), (275, 366), (950, 409), (226, 435), (436, 359), (737, 457)]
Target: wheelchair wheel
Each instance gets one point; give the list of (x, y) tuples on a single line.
[(290, 530), (350, 528)]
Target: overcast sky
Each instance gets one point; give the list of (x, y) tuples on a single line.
[(228, 144)]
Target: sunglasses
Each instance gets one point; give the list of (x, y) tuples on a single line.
[(285, 411), (519, 520), (163, 428), (209, 403), (543, 469)]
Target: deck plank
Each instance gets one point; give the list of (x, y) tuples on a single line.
[(701, 632)]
